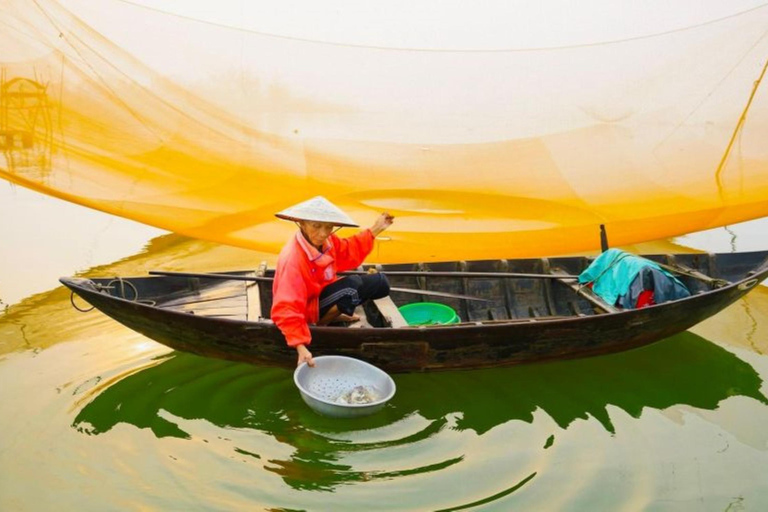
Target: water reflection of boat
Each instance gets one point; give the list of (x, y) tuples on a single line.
[(686, 370), (226, 404), (529, 312)]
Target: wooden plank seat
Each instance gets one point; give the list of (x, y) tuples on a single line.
[(389, 311), (587, 293), (253, 297)]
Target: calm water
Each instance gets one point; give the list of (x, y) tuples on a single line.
[(96, 417)]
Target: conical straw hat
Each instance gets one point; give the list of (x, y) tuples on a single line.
[(318, 209)]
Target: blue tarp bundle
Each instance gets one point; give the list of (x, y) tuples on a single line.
[(619, 277)]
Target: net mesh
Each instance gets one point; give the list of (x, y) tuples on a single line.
[(208, 130)]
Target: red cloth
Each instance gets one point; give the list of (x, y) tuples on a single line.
[(645, 299), (301, 274)]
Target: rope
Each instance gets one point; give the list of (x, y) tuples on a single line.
[(72, 301), (715, 88), (439, 50), (119, 293), (123, 282), (736, 130)]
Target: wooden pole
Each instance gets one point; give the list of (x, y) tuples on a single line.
[(232, 277)]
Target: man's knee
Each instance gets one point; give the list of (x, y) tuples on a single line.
[(376, 286), (383, 286), (354, 281)]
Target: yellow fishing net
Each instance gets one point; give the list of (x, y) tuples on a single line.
[(207, 131)]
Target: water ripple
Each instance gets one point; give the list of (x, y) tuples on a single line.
[(185, 431)]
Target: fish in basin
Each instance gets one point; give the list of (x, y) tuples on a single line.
[(358, 395)]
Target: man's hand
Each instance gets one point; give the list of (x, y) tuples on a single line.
[(383, 222), (305, 356)]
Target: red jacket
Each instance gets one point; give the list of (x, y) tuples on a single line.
[(299, 281)]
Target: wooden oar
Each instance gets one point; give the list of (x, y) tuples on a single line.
[(675, 268), (429, 273), (232, 277), (210, 275), (679, 268), (438, 294)]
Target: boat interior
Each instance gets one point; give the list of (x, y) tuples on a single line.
[(550, 291)]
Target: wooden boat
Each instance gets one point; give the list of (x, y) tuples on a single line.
[(529, 310)]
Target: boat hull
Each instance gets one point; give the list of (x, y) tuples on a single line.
[(462, 346)]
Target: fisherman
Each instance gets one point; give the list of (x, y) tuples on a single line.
[(306, 289)]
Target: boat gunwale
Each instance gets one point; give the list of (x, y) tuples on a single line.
[(755, 274)]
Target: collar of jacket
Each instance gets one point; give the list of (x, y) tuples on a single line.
[(321, 259)]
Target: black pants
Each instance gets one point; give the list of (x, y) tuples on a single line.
[(349, 292)]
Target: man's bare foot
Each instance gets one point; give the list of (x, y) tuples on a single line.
[(347, 318)]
